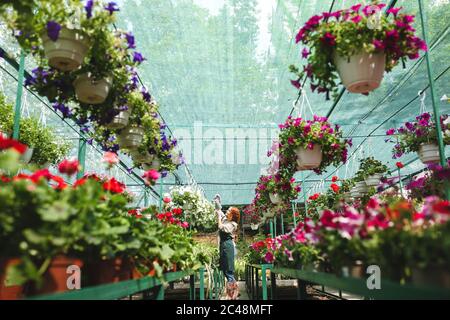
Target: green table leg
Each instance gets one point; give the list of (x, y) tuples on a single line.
[(257, 284), (202, 283), (159, 290), (273, 285), (192, 287), (263, 282)]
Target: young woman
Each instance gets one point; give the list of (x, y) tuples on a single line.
[(227, 228)]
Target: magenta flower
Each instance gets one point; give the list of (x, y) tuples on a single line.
[(356, 7), (328, 39), (269, 258), (300, 35), (305, 53), (394, 11), (379, 45), (296, 83), (356, 19), (390, 132)]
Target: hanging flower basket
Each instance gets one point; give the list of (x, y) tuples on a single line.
[(429, 153), (68, 51), (131, 137), (275, 198), (155, 165), (27, 155), (120, 120), (308, 159), (373, 180), (254, 226), (139, 157), (354, 192), (361, 187), (362, 72), (91, 91), (269, 214)]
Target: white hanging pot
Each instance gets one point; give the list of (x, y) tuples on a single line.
[(68, 52), (120, 120), (354, 192), (361, 73), (361, 187), (27, 155), (131, 137), (269, 214), (155, 164), (91, 91), (308, 159), (429, 153), (254, 226), (373, 180), (275, 198)]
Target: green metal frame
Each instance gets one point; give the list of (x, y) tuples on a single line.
[(252, 279), (125, 288), (389, 290)]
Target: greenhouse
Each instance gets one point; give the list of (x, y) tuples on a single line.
[(224, 150)]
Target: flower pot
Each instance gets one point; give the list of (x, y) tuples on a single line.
[(56, 276), (355, 271), (354, 192), (275, 198), (109, 271), (429, 153), (27, 155), (68, 52), (434, 276), (254, 226), (361, 187), (154, 165), (8, 291), (131, 137), (308, 159), (269, 214), (91, 91), (373, 180), (361, 73), (120, 120)]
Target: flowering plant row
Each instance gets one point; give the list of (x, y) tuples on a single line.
[(43, 217), (392, 234), (343, 34), (431, 183)]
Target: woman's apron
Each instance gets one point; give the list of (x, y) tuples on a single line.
[(226, 251)]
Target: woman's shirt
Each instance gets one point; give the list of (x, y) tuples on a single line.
[(228, 227)]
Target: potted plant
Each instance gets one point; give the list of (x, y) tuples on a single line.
[(312, 144), (420, 136), (430, 183), (356, 44), (373, 171)]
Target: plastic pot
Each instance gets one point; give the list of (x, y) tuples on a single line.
[(68, 51), (361, 73), (429, 153), (308, 159), (154, 165), (373, 180), (27, 155), (361, 187), (354, 192), (120, 120), (109, 271), (139, 157), (131, 137), (91, 91), (275, 198), (9, 291)]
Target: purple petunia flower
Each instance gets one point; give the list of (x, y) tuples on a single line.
[(390, 132), (305, 53), (112, 7), (65, 110), (53, 29), (88, 8), (130, 40), (137, 57)]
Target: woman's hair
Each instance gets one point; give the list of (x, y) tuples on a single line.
[(233, 214)]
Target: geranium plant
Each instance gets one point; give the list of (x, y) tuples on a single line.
[(346, 33), (298, 133)]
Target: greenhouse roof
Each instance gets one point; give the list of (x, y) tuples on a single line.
[(219, 70)]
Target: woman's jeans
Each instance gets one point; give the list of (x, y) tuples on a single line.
[(230, 276)]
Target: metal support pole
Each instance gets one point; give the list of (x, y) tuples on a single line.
[(282, 223), (271, 228), (18, 108), (202, 283), (293, 214), (256, 284), (436, 113), (264, 282), (274, 226), (301, 290), (159, 292), (145, 198), (81, 156), (161, 184), (273, 286), (192, 287)]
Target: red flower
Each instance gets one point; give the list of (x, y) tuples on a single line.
[(399, 165), (61, 184), (335, 187), (167, 200), (314, 196), (334, 179), (44, 173), (177, 211), (80, 182), (442, 207), (114, 186), (6, 143), (69, 167), (151, 176)]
